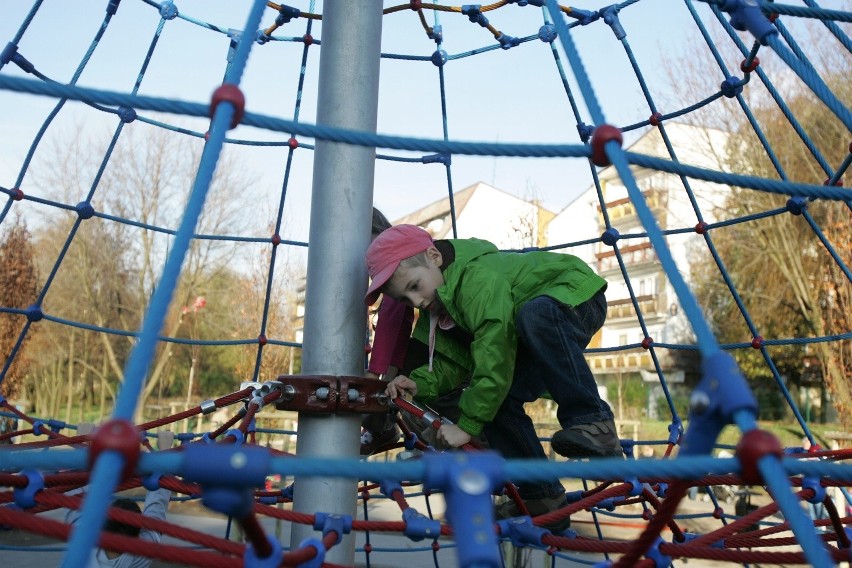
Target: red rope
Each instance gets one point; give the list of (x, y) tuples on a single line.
[(141, 521), (667, 510), (119, 543)]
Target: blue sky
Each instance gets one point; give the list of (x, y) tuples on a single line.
[(511, 95)]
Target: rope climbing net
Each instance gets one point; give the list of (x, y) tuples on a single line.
[(226, 467)]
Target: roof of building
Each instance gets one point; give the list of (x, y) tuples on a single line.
[(440, 210)]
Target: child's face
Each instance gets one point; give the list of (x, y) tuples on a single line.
[(416, 285)]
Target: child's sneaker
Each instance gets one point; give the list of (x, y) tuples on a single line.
[(371, 444), (536, 507), (592, 440)]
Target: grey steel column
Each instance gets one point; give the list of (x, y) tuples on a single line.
[(341, 210)]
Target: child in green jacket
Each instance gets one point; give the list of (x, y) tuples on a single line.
[(527, 318)]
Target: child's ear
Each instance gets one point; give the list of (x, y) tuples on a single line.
[(433, 254)]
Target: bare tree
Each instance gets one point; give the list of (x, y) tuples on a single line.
[(18, 289), (110, 269), (788, 282)]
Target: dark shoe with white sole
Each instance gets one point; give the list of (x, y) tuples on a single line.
[(592, 440)]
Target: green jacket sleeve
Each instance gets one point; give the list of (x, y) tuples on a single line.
[(446, 376), (489, 316)]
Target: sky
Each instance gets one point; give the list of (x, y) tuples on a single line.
[(507, 96)]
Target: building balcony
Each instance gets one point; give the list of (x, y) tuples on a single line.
[(623, 308), (631, 361), (632, 255), (622, 210)]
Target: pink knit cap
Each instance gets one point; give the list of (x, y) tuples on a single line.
[(392, 246)]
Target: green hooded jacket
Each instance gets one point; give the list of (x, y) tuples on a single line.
[(483, 291)]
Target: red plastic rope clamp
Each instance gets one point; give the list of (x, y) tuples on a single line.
[(701, 228), (261, 340), (655, 119), (120, 436), (838, 183), (754, 63), (602, 135), (276, 239), (757, 342), (416, 5), (293, 143), (17, 194), (647, 342), (232, 94), (308, 39), (753, 446)]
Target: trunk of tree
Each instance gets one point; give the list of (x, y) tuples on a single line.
[(70, 378)]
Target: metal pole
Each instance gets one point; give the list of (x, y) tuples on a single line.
[(341, 209)]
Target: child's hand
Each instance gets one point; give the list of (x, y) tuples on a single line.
[(453, 436), (400, 386)]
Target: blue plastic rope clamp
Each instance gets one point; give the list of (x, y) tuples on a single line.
[(238, 434), (521, 531), (25, 496), (721, 392), (38, 427), (152, 482), (467, 480), (23, 63), (439, 58), (610, 18), (287, 13), (8, 52), (585, 131), (34, 313), (636, 486), (85, 210), (168, 10), (731, 87), (388, 486), (126, 114), (333, 522), (585, 17), (660, 559), (419, 526), (474, 14), (746, 15), (261, 38), (316, 561), (547, 33), (507, 41), (797, 205), (442, 158), (812, 482), (437, 34), (675, 431), (610, 236)]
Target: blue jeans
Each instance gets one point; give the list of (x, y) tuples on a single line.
[(551, 339)]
